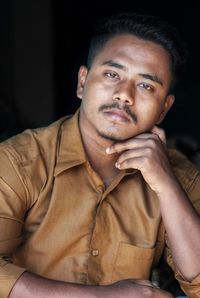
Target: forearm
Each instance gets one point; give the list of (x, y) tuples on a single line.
[(30, 286), (182, 224)]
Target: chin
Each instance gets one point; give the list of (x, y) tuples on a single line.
[(114, 137)]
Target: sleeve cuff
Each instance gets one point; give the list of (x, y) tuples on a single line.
[(8, 277), (190, 288)]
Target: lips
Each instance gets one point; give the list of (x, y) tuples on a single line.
[(117, 115)]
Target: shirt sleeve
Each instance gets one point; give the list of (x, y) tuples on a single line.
[(12, 212), (191, 288)]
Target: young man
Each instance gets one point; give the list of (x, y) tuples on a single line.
[(88, 204)]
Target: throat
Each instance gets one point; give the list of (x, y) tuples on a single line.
[(105, 168), (102, 163), (108, 181)]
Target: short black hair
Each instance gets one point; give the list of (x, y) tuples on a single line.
[(147, 27)]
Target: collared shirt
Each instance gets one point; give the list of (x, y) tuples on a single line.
[(59, 221)]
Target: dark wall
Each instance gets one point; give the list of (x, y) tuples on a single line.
[(44, 42), (27, 96)]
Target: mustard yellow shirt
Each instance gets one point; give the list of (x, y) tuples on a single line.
[(58, 220)]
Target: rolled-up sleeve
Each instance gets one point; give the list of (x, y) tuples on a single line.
[(191, 288), (12, 212)]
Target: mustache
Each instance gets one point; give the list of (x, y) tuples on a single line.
[(116, 105)]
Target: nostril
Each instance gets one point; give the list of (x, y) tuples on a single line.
[(125, 98), (117, 98)]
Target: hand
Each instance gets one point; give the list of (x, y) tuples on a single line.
[(147, 153), (133, 288)]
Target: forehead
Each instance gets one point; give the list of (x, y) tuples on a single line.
[(136, 54), (131, 44)]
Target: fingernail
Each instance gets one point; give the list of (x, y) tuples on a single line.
[(117, 165), (108, 150)]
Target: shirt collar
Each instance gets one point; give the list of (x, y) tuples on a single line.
[(70, 150)]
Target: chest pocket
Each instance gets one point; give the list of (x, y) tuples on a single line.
[(133, 262)]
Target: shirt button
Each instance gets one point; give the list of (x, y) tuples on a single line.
[(95, 252)]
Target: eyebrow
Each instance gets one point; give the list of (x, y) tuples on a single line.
[(114, 64), (147, 76), (153, 78)]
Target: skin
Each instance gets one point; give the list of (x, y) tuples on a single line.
[(31, 285), (126, 74), (124, 95)]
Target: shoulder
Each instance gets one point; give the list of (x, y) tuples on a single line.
[(33, 142), (184, 169), (28, 159)]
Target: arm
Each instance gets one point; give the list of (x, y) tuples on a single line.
[(147, 153), (31, 286)]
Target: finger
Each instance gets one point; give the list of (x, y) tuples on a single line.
[(131, 163), (146, 140), (134, 153), (160, 133)]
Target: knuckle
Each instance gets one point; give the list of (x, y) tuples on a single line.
[(151, 142), (127, 163), (146, 161), (149, 151)]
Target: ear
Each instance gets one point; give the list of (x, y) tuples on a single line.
[(82, 74), (167, 105)]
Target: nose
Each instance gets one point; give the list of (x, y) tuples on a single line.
[(124, 93)]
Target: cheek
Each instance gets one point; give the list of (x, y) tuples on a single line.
[(149, 112), (96, 95)]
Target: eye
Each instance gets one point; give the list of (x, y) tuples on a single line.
[(146, 86), (111, 74)]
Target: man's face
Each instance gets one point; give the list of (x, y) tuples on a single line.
[(125, 92)]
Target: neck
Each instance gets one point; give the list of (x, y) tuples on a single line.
[(95, 147)]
